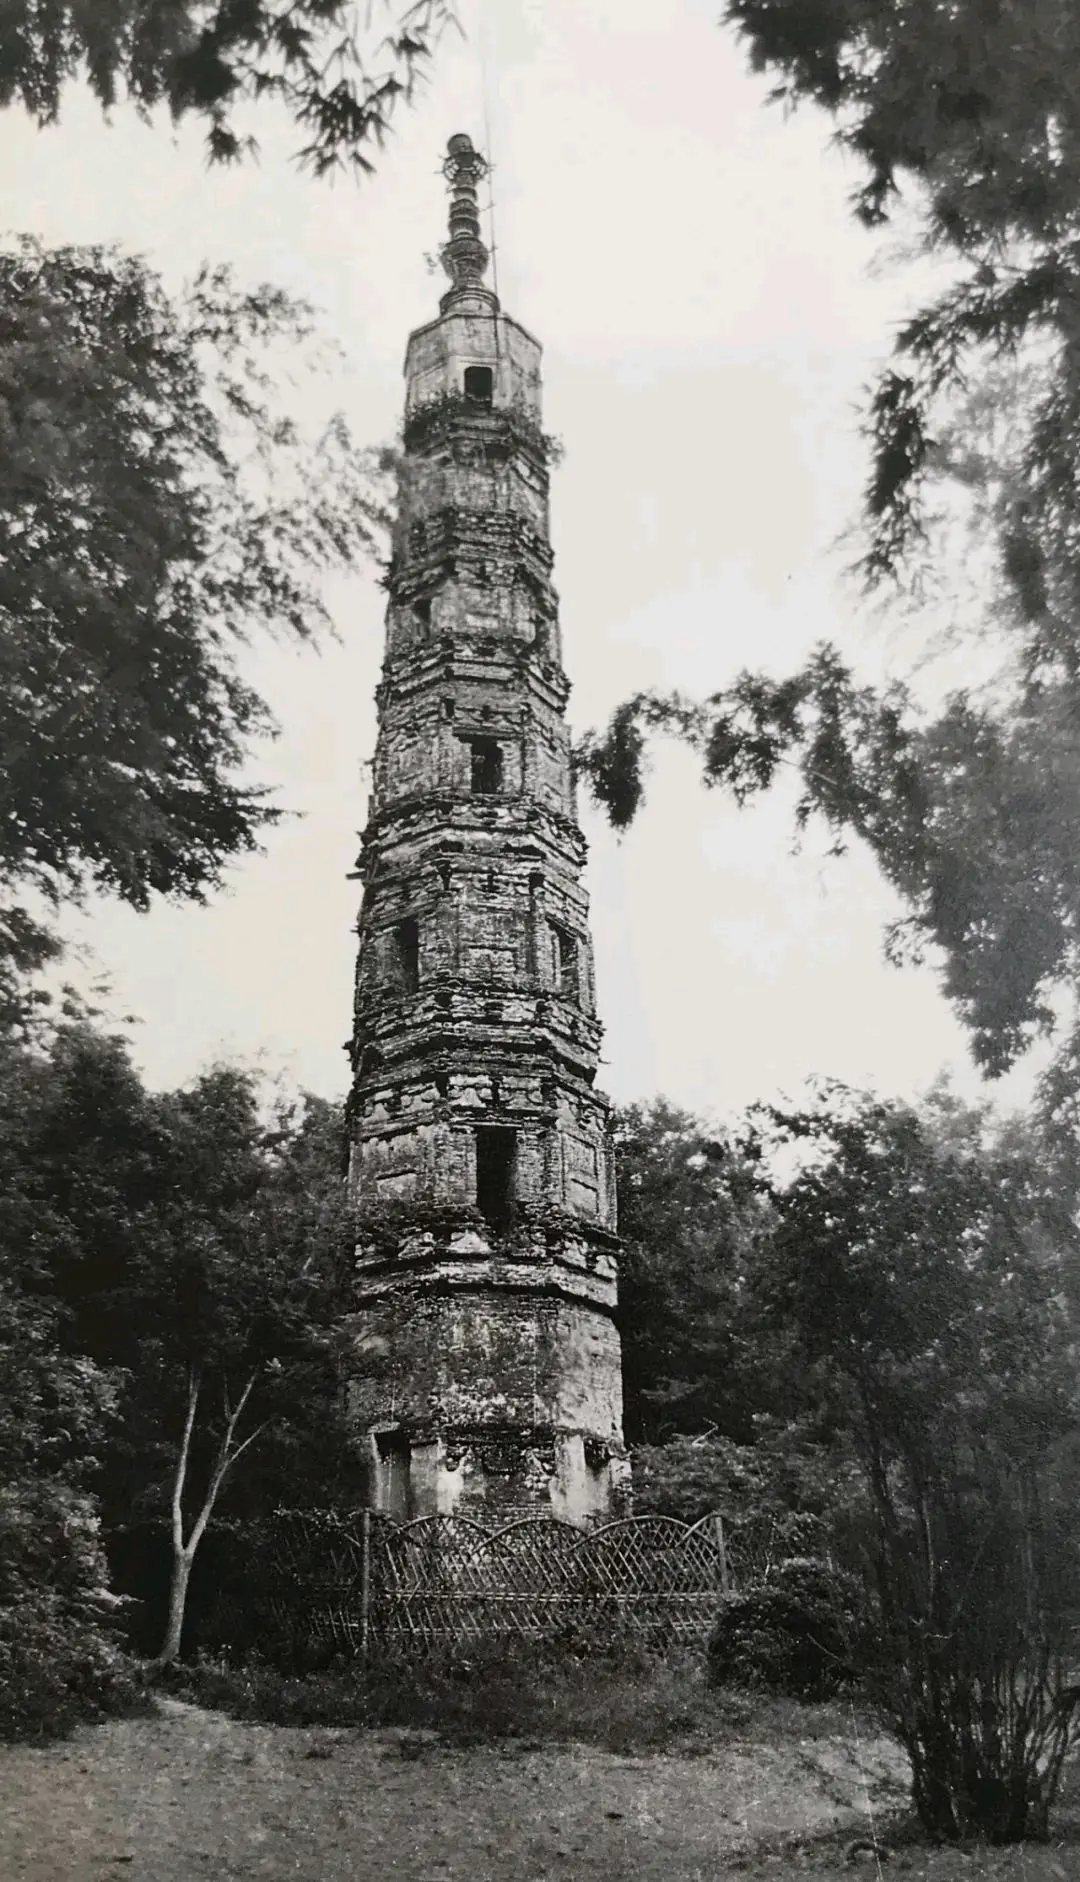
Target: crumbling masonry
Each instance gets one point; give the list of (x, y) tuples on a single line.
[(486, 1368)]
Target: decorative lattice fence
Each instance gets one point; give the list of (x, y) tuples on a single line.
[(369, 1586)]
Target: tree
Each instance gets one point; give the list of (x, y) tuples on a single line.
[(688, 1214), (229, 1302), (966, 121), (159, 506), (211, 58), (186, 1248), (908, 1274), (972, 817), (976, 106), (59, 1660)]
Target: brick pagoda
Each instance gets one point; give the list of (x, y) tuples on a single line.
[(485, 1373)]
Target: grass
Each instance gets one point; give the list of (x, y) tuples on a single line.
[(626, 1703), (631, 1704)]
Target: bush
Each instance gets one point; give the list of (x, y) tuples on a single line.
[(59, 1660), (56, 1673), (796, 1631), (624, 1700)]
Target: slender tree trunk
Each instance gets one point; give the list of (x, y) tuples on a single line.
[(183, 1550), (178, 1587)]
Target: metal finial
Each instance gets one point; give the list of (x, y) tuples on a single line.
[(464, 256)]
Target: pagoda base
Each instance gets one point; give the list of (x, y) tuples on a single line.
[(497, 1474), (484, 1374)]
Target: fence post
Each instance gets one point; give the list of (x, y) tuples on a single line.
[(365, 1583), (721, 1550)]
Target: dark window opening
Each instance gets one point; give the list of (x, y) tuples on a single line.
[(486, 766), (567, 969), (395, 1458), (422, 611), (479, 384), (496, 1149), (407, 946)]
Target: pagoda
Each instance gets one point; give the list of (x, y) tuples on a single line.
[(484, 1372)]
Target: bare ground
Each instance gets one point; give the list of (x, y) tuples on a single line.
[(188, 1795)]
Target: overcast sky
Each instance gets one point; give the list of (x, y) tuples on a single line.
[(709, 317)]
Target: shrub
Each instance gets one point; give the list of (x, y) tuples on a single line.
[(795, 1632), (625, 1700), (59, 1660)]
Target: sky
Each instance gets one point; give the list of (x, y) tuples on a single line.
[(710, 316)]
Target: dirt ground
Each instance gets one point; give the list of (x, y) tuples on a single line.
[(189, 1795)]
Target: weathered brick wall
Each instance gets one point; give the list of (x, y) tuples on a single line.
[(437, 355)]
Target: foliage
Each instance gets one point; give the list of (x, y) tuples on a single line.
[(158, 506), (626, 1701), (972, 817), (965, 121), (688, 1216), (210, 58), (979, 106), (232, 1294), (796, 1631), (59, 1661), (788, 1493), (193, 1243), (909, 1274), (508, 427)]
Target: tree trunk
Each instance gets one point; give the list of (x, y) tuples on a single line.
[(178, 1587), (184, 1551)]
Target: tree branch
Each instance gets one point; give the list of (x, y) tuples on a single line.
[(226, 1457), (182, 1461)]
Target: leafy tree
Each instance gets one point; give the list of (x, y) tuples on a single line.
[(189, 1244), (977, 107), (58, 1656), (237, 1302), (966, 122), (158, 507), (687, 1215), (211, 58), (972, 818), (908, 1275), (795, 1490)]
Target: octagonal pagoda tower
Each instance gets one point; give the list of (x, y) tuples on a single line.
[(486, 1366)]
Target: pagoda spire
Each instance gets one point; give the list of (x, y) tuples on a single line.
[(465, 255)]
